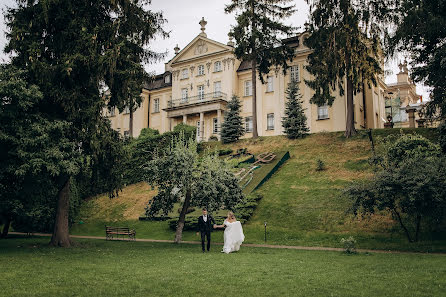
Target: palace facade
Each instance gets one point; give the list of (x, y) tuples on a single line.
[(202, 77)]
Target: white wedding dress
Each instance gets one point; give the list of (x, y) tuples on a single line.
[(233, 236)]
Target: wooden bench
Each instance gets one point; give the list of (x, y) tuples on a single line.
[(114, 233)]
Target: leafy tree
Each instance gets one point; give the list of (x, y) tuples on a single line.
[(420, 31), (180, 175), (295, 120), (73, 50), (232, 127), (257, 34), (411, 184), (345, 39), (442, 136)]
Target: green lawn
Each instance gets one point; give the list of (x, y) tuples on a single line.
[(29, 267), (301, 205)]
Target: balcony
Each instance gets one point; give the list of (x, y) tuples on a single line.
[(196, 100)]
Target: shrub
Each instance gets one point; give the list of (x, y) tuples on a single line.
[(349, 245), (224, 152), (320, 165), (213, 138), (442, 136)]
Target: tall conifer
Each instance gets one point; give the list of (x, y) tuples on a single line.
[(232, 128), (295, 120)]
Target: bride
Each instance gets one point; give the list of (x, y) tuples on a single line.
[(233, 234)]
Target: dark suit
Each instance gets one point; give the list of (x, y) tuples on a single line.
[(205, 229)]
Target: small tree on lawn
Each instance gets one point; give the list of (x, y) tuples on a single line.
[(411, 185), (232, 128), (181, 176), (295, 120)]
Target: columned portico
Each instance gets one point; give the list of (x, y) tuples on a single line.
[(219, 121), (184, 118), (201, 136)]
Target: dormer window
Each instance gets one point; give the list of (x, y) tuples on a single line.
[(217, 66), (167, 79)]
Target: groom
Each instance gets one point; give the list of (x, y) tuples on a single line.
[(205, 227)]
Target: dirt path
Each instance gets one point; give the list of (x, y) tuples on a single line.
[(291, 247)]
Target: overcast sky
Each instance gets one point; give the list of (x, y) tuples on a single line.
[(183, 17)]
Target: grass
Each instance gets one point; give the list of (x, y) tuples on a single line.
[(99, 268), (300, 205)]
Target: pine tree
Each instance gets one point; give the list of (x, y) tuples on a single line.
[(72, 51), (232, 128), (295, 121), (345, 39), (257, 35)]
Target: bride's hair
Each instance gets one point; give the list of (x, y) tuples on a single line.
[(231, 215)]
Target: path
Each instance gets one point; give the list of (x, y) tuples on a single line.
[(291, 247)]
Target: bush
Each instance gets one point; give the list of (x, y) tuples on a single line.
[(320, 165), (224, 152), (349, 245), (213, 138)]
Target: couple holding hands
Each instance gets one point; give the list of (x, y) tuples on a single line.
[(233, 236)]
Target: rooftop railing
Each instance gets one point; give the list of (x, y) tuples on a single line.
[(201, 98)]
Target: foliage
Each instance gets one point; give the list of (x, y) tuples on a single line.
[(232, 127), (181, 175), (425, 45), (74, 51), (295, 120), (349, 245), (320, 165), (257, 34), (411, 184), (345, 39), (442, 136)]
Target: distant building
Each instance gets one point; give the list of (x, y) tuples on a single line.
[(201, 78)]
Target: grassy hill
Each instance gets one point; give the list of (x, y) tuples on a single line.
[(302, 206)]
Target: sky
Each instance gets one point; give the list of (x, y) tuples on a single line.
[(183, 17)]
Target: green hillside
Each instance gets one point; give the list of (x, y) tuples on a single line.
[(302, 206)]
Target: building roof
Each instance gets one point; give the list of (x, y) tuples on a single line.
[(158, 82)]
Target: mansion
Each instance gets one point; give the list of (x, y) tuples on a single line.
[(202, 77)]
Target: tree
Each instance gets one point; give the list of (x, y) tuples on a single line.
[(295, 120), (181, 176), (411, 184), (345, 42), (232, 127), (73, 50), (257, 34), (425, 45)]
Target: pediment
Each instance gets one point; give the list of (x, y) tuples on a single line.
[(198, 47)]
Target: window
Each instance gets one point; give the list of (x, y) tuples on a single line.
[(215, 125), (248, 124), (126, 110), (217, 89), (156, 105), (248, 88), (111, 111), (167, 79), (184, 95), (269, 86), (198, 129), (270, 121), (185, 74), (200, 69), (217, 66), (322, 112), (200, 92), (294, 73)]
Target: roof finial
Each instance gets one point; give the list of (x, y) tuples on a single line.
[(230, 42), (177, 50), (203, 24)]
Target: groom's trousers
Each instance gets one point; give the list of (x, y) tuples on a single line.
[(203, 235)]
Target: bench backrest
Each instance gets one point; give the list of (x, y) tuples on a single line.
[(117, 229)]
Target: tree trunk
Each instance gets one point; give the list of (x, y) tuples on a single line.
[(417, 232), (182, 219), (131, 123), (61, 236), (255, 134), (402, 225), (350, 124), (6, 228)]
